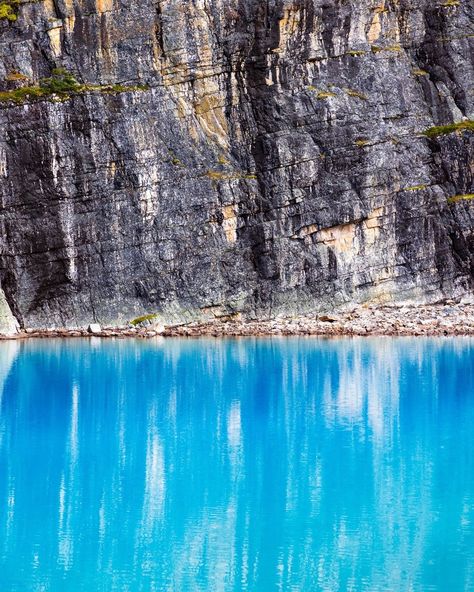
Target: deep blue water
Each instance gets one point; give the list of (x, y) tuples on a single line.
[(237, 465)]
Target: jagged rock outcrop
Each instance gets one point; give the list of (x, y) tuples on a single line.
[(226, 156)]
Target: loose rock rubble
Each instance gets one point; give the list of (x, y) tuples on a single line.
[(432, 320), (120, 332), (410, 320)]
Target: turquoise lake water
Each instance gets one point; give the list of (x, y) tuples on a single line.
[(237, 465)]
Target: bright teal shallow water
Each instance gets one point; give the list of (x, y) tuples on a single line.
[(292, 465)]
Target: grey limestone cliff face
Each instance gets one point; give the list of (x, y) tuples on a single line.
[(233, 156)]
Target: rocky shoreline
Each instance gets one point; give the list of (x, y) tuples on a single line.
[(447, 319)]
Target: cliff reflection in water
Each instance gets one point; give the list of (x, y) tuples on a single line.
[(292, 464)]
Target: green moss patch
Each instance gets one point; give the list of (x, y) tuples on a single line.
[(61, 85), (416, 188), (356, 52), (228, 176), (419, 72), (379, 48), (9, 10), (325, 95), (444, 130), (143, 319), (457, 198), (175, 160), (16, 77), (321, 94), (355, 94), (21, 95)]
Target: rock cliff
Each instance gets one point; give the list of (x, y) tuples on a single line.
[(204, 158)]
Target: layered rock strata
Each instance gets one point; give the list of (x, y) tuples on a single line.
[(217, 157)]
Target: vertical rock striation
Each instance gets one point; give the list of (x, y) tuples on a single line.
[(212, 157)]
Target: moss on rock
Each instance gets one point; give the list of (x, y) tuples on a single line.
[(444, 130), (9, 10), (61, 85)]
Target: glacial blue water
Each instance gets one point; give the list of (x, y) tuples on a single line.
[(237, 465)]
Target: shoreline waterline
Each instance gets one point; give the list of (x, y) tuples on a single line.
[(435, 320)]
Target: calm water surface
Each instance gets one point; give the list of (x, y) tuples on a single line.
[(286, 464)]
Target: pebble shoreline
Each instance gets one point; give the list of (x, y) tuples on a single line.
[(411, 320)]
